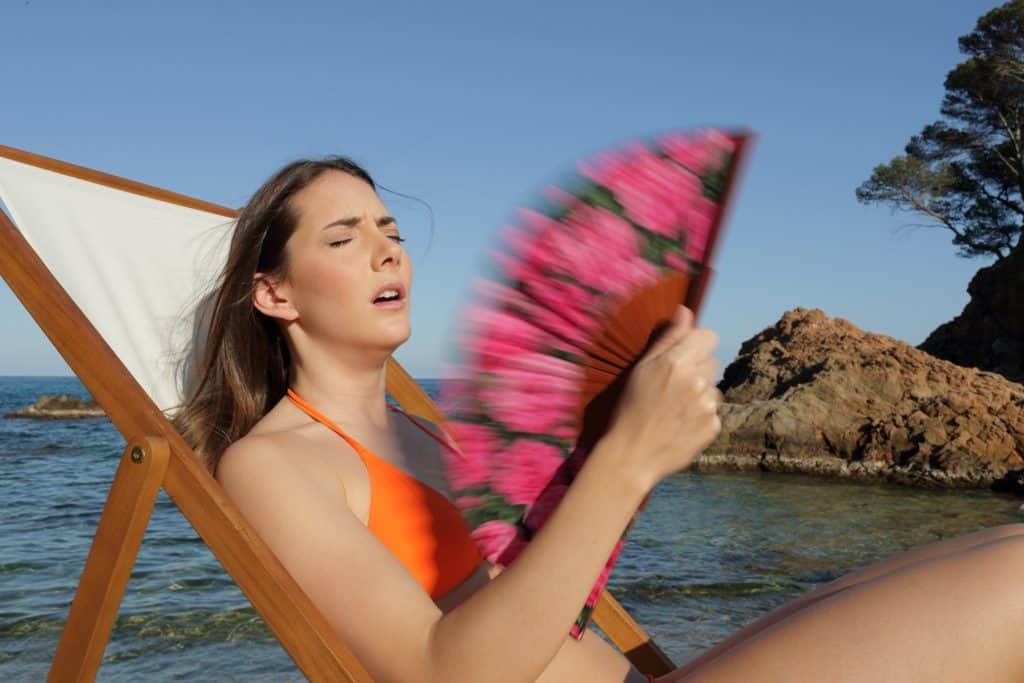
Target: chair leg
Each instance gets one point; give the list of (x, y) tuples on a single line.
[(111, 558), (630, 637)]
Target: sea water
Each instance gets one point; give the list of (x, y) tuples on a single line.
[(710, 553)]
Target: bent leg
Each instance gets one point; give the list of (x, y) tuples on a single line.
[(957, 617), (927, 552)]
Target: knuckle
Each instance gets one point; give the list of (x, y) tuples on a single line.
[(705, 335), (677, 363)]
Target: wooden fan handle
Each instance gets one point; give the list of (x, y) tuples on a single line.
[(695, 293)]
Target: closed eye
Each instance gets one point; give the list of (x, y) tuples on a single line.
[(338, 243)]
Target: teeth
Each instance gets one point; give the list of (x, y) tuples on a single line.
[(387, 294)]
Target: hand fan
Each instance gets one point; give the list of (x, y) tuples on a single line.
[(579, 287)]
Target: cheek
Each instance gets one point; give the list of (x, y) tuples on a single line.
[(325, 285)]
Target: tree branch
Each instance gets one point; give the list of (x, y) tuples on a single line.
[(1014, 169), (925, 209), (1008, 203)]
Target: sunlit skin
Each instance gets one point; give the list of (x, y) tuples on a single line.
[(948, 611)]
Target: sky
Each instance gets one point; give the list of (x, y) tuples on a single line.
[(473, 107)]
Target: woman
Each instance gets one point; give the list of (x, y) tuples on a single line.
[(292, 419)]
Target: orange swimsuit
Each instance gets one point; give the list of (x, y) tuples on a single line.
[(419, 525)]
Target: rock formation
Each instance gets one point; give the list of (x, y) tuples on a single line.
[(62, 407), (989, 333), (818, 395)]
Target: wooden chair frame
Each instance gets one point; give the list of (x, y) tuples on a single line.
[(157, 457)]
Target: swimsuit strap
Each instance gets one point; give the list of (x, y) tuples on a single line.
[(308, 408), (446, 443)]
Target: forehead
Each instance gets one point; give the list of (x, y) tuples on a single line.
[(334, 195)]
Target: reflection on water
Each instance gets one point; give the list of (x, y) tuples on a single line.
[(709, 554)]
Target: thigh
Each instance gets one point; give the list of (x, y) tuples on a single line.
[(926, 552), (956, 617)]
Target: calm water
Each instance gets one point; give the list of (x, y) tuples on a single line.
[(710, 554)]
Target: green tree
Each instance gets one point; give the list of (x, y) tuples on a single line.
[(965, 172)]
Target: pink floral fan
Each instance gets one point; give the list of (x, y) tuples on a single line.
[(580, 288)]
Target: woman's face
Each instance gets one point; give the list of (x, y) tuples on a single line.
[(345, 249)]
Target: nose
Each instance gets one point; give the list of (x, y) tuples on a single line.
[(387, 251)]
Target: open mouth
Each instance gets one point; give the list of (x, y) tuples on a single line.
[(391, 294)]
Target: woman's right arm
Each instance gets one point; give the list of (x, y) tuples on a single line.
[(516, 623)]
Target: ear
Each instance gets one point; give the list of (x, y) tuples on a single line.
[(271, 297)]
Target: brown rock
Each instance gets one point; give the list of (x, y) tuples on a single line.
[(935, 434), (814, 394)]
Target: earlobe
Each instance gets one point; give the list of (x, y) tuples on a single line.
[(270, 297)]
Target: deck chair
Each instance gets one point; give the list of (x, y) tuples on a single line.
[(107, 266)]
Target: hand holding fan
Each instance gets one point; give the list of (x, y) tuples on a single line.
[(580, 288)]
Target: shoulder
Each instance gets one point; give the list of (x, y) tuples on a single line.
[(265, 450), (273, 442), (255, 467), (271, 465), (285, 492)]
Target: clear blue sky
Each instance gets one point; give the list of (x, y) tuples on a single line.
[(472, 106)]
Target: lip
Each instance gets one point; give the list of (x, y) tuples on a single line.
[(397, 286)]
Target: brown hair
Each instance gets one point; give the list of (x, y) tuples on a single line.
[(242, 368)]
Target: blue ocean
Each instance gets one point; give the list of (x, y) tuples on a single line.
[(710, 553)]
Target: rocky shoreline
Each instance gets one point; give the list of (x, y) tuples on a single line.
[(820, 396), (62, 407), (837, 468), (817, 395)]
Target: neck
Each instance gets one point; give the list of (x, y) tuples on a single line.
[(347, 391)]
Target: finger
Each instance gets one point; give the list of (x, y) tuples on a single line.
[(683, 316), (702, 378), (708, 369), (711, 400), (692, 348), (679, 326)]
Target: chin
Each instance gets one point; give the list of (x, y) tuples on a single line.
[(395, 338)]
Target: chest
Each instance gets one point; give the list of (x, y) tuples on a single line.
[(410, 451)]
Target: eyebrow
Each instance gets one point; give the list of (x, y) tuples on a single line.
[(354, 221)]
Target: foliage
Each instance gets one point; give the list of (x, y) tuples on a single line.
[(965, 172)]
